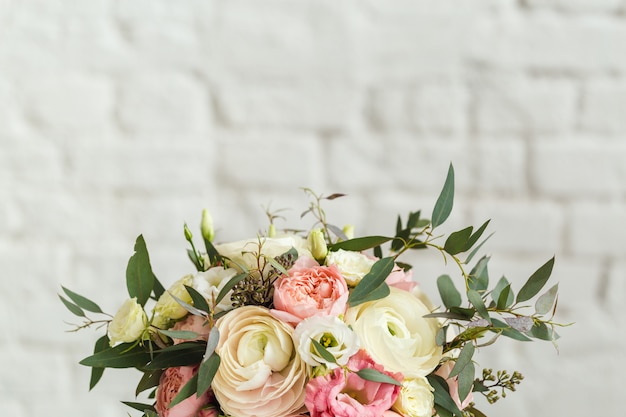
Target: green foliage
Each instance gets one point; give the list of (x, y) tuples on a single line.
[(97, 372), (443, 206), (371, 374), (442, 396), (536, 282), (360, 243), (82, 302), (182, 354), (139, 276), (206, 372), (372, 286), (450, 296), (125, 355)]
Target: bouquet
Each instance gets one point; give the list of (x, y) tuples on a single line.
[(318, 323)]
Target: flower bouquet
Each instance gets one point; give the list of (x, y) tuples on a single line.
[(318, 323)]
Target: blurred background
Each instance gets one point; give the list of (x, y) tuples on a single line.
[(126, 117)]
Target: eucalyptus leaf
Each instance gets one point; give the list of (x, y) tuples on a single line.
[(199, 301), (536, 282), (96, 373), (440, 337), (180, 334), (182, 354), (150, 379), (465, 358), (546, 301), (157, 288), (125, 355), (139, 406), (506, 330), (442, 395), (497, 291), (73, 308), (359, 244), (186, 391), (457, 241), (541, 331), (478, 279), (370, 284), (229, 286), (82, 302), (476, 249), (450, 296), (139, 276), (323, 352), (212, 341), (371, 374), (206, 373), (478, 303), (466, 380), (214, 256), (445, 201), (475, 236), (521, 324), (505, 299)]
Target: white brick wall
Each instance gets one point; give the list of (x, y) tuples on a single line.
[(127, 117)]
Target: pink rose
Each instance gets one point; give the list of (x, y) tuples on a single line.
[(194, 324), (453, 385), (400, 279), (341, 394), (210, 411), (172, 380), (308, 291), (390, 413)]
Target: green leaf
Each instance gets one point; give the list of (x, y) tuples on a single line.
[(180, 334), (478, 303), (477, 234), (476, 249), (187, 306), (536, 282), (371, 374), (214, 256), (199, 301), (125, 355), (182, 354), (82, 302), (150, 379), (208, 369), (359, 244), (476, 412), (442, 412), (459, 314), (370, 283), (229, 286), (466, 380), (442, 395), (96, 373), (546, 301), (157, 288), (497, 291), (441, 336), (139, 276), (212, 341), (443, 206), (465, 358), (505, 299), (448, 292), (186, 391), (323, 352), (139, 406), (478, 279), (73, 308), (457, 241), (543, 332), (508, 331)]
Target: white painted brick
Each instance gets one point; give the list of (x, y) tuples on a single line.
[(69, 103), (501, 167), (548, 41), (600, 230), (580, 169), (614, 288), (580, 6), (441, 108), (11, 113), (389, 109), (310, 105), (520, 105), (158, 103), (603, 108)]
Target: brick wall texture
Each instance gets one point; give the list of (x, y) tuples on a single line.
[(126, 117)]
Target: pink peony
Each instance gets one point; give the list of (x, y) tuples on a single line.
[(308, 291), (453, 385), (341, 394), (172, 380), (195, 324)]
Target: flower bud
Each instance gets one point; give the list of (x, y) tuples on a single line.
[(129, 323), (188, 235), (348, 230), (271, 231), (317, 244), (206, 226)]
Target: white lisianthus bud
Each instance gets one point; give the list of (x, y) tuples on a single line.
[(167, 308), (128, 324), (332, 333), (271, 231), (206, 226), (188, 235), (317, 244), (416, 398), (348, 230)]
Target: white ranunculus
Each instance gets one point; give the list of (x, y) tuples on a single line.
[(261, 372), (167, 308), (330, 332), (128, 324), (353, 266), (416, 398), (395, 333), (210, 282), (243, 251)]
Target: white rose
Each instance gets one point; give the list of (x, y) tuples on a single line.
[(261, 372), (210, 283), (395, 333), (243, 252), (353, 266), (332, 333), (167, 308), (128, 324), (416, 398)]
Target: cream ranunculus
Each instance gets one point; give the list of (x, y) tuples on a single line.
[(167, 308), (209, 283), (243, 251), (416, 398), (353, 266), (128, 324), (261, 372), (395, 333), (330, 332)]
